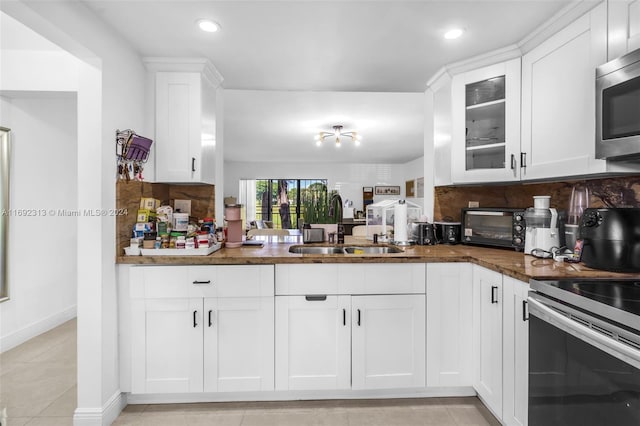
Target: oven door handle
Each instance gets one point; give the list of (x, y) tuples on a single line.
[(586, 334)]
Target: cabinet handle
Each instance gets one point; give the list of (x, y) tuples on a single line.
[(523, 160), (344, 317), (525, 312), (202, 282), (358, 317), (193, 164), (318, 298), (513, 162), (210, 320), (494, 296), (195, 320)]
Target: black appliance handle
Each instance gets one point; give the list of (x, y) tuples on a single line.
[(494, 295)]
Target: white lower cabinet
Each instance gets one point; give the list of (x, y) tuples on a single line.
[(388, 341), (238, 344), (449, 324), (313, 342), (515, 352), (487, 337), (501, 344), (221, 341), (248, 328), (350, 340), (167, 347)]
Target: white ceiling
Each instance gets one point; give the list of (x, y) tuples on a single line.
[(280, 126), (348, 45), (294, 67)]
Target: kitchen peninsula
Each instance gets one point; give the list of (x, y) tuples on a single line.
[(261, 323)]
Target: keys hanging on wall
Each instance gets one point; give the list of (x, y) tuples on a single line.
[(132, 151)]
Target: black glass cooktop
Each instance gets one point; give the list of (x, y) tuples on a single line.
[(619, 294)]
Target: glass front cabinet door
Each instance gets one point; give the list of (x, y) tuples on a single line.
[(486, 121)]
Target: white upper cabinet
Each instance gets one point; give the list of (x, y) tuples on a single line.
[(558, 100), (623, 27), (486, 124), (186, 113)]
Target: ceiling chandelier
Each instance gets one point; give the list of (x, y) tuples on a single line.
[(338, 134)]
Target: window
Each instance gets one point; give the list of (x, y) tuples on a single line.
[(279, 201)]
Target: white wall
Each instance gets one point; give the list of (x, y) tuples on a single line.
[(111, 95), (42, 247), (347, 179), (412, 171)]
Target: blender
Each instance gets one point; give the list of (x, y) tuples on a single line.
[(542, 233), (577, 204)]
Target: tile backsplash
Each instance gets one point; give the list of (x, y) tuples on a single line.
[(622, 191)]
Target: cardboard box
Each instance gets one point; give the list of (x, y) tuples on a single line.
[(149, 204), (146, 215)]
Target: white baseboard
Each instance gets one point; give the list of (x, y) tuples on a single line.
[(32, 330), (299, 395), (102, 416)]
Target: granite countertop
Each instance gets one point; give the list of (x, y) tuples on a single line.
[(508, 262)]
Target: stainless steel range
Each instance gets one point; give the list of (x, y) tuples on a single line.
[(584, 352)]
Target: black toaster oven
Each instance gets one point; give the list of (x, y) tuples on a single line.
[(493, 227)]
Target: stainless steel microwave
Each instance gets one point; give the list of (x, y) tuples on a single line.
[(617, 108), (495, 227)]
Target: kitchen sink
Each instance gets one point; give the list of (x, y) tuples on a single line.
[(316, 250), (372, 250), (300, 249)]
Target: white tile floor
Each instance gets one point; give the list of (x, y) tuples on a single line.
[(38, 388)]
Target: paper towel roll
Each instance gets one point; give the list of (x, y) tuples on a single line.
[(400, 222)]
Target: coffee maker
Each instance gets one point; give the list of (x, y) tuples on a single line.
[(544, 228)]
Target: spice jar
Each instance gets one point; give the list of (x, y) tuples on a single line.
[(164, 238)]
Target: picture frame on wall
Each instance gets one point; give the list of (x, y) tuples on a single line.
[(409, 189), (387, 190)]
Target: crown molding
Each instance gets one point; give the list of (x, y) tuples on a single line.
[(568, 14), (564, 17)]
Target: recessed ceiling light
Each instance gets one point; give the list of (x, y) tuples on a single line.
[(453, 33), (208, 25)]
